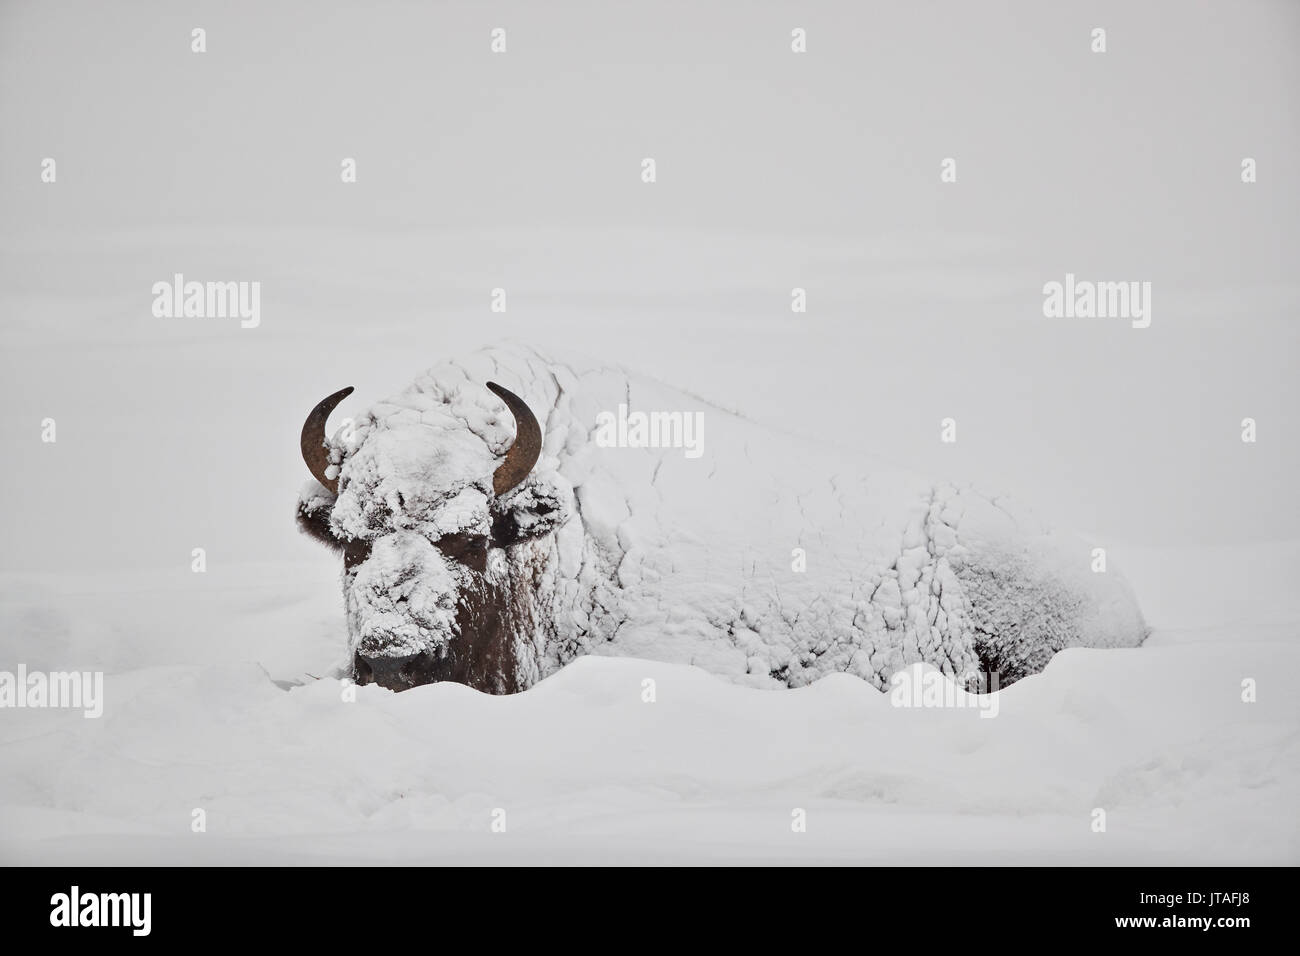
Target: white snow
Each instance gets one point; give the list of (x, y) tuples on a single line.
[(404, 596), (586, 771)]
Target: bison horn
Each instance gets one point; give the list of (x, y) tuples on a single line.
[(527, 447), (314, 452)]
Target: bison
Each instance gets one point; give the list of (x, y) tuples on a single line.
[(491, 555)]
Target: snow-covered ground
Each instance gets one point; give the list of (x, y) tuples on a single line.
[(209, 705)]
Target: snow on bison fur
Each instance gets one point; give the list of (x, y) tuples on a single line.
[(487, 546)]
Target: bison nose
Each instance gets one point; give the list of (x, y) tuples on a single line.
[(394, 673)]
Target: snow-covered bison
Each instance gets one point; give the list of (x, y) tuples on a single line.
[(490, 555)]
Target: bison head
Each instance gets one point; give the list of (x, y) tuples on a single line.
[(441, 568)]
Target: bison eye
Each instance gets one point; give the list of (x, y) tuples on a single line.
[(468, 549)]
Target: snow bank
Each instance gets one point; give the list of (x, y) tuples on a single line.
[(585, 768)]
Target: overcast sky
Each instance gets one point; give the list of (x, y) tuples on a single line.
[(775, 170)]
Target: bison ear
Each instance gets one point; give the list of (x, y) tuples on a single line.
[(314, 521), (537, 507)]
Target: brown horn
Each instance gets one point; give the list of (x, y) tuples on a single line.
[(314, 452), (527, 447)]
